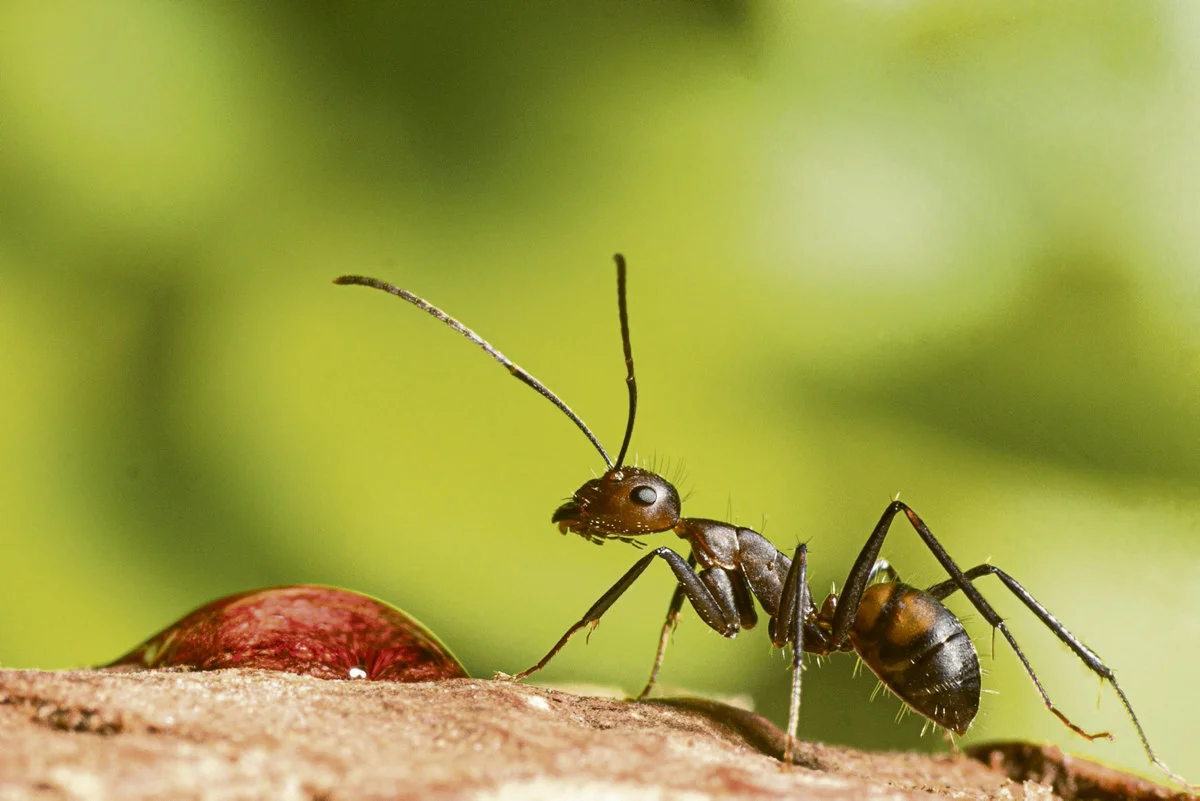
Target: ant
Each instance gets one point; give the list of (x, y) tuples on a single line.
[(915, 646)]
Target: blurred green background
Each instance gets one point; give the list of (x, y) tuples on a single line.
[(938, 248)]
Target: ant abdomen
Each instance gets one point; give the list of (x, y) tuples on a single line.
[(920, 651)]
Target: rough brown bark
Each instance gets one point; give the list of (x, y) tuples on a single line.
[(258, 734)]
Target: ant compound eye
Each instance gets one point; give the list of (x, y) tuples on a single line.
[(644, 496)]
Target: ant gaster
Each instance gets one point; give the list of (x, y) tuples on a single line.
[(915, 646)]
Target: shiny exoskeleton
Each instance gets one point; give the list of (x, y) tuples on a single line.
[(913, 643), (915, 646)]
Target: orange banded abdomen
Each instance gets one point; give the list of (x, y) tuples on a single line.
[(920, 651)]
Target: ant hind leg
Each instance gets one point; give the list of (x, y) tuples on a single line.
[(1086, 655)]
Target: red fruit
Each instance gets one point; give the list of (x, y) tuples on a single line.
[(307, 629)]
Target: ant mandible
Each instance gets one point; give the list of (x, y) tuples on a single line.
[(915, 646)]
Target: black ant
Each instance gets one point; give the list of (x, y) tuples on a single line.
[(915, 646)]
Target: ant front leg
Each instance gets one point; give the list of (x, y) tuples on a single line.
[(710, 593), (730, 589)]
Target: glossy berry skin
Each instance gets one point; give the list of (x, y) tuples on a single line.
[(307, 629)]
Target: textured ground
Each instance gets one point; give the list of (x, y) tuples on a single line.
[(255, 734)]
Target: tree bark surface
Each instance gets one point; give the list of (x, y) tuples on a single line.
[(257, 734)]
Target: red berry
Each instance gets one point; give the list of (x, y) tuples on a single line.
[(307, 629)]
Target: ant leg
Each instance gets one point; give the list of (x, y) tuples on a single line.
[(863, 571), (962, 582), (697, 591), (728, 588), (1086, 655), (856, 583), (789, 623), (664, 637)]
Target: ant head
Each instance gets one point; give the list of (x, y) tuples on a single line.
[(620, 505)]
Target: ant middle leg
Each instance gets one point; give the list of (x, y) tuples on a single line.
[(789, 625), (793, 607)]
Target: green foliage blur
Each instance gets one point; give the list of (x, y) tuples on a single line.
[(944, 249)]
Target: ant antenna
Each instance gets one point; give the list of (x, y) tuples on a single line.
[(514, 370), (630, 381)]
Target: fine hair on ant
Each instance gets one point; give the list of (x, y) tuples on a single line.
[(907, 637)]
